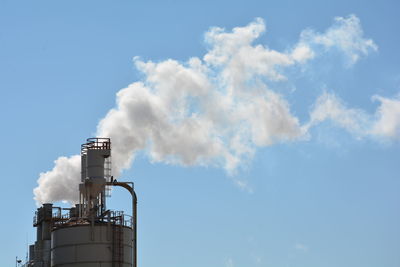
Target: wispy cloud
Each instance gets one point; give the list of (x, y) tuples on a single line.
[(346, 35), (387, 122), (384, 123), (328, 106), (301, 247), (229, 262), (243, 185)]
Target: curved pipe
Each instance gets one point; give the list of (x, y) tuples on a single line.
[(134, 214)]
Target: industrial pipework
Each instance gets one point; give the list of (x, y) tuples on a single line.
[(88, 234)]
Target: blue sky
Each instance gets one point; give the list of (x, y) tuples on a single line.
[(315, 184)]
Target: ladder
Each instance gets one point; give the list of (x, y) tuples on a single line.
[(118, 241)]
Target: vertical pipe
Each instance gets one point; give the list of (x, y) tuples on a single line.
[(134, 213), (92, 228), (108, 225)]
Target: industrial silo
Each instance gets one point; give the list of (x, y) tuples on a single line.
[(88, 234)]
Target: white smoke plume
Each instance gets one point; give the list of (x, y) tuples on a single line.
[(329, 107), (345, 35), (216, 110), (384, 123), (387, 122), (55, 185)]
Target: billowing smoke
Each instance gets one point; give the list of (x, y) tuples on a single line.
[(61, 183), (387, 122), (217, 110)]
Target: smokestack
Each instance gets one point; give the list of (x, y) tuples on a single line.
[(88, 232), (95, 155)]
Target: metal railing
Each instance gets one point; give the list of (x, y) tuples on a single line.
[(118, 218), (96, 143)]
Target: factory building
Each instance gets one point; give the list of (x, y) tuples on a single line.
[(87, 234)]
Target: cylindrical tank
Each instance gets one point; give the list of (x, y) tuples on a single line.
[(100, 245), (42, 253), (95, 162)]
